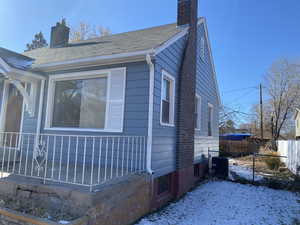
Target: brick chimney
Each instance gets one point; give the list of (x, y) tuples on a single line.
[(187, 15), (59, 35)]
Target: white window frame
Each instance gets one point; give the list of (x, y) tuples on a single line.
[(169, 77), (77, 76), (211, 119), (202, 48), (198, 119)]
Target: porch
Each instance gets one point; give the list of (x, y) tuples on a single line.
[(85, 161)]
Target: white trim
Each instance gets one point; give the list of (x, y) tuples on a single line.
[(211, 57), (211, 118), (96, 59), (4, 105), (22, 117), (150, 113), (76, 76), (107, 99), (124, 98), (82, 129), (198, 122), (171, 41), (40, 112), (168, 76)]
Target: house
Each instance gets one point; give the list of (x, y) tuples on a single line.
[(87, 112), (297, 123)]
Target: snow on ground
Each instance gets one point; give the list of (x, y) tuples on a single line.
[(227, 203), (242, 171)]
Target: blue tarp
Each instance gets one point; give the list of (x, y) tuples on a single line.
[(235, 137)]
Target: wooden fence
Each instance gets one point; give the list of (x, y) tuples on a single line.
[(238, 148), (290, 149)]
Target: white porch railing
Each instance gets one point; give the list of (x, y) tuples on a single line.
[(81, 160)]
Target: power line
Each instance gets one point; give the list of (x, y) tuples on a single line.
[(240, 89)]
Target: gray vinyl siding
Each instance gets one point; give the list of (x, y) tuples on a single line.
[(206, 88), (164, 137)]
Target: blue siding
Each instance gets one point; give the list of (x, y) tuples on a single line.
[(136, 100), (206, 88), (135, 118), (164, 138)]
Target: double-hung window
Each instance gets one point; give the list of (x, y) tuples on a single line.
[(167, 99), (202, 48), (210, 119), (88, 101), (197, 112)]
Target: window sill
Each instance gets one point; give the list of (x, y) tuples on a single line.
[(82, 130), (167, 124)]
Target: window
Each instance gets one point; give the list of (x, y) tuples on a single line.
[(210, 119), (164, 184), (202, 48), (92, 100), (197, 112), (167, 99), (80, 103)]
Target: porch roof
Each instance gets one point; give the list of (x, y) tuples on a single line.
[(15, 60)]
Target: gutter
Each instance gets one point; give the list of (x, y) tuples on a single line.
[(150, 113), (92, 60)]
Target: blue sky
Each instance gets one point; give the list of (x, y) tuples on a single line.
[(246, 35)]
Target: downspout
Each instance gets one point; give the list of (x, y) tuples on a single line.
[(39, 119), (150, 113)]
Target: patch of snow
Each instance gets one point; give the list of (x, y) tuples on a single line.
[(244, 172), (228, 203), (63, 222)]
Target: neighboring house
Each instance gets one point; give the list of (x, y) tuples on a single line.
[(86, 112), (297, 123)]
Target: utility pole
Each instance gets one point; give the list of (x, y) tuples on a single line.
[(261, 114)]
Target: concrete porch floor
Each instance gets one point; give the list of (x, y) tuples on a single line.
[(77, 177)]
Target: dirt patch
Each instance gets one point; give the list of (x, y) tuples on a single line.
[(39, 209)]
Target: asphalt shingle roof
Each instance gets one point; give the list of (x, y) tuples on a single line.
[(114, 44)]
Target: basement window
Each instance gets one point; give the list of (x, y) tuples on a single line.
[(164, 184)]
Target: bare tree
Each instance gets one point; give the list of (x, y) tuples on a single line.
[(85, 31), (283, 89)]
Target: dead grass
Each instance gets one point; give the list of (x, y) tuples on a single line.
[(262, 167)]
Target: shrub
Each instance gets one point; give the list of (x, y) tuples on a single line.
[(273, 163)]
